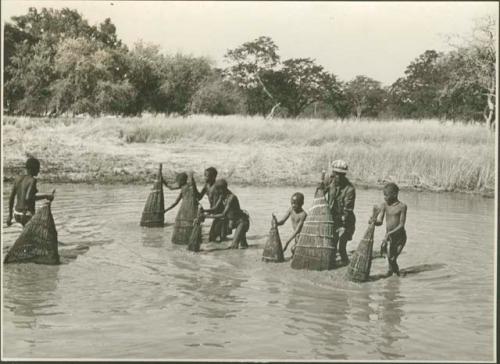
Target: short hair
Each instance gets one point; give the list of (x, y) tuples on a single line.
[(211, 171), (221, 183), (299, 197), (181, 178), (391, 188), (32, 164)]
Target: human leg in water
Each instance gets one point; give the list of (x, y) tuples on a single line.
[(240, 235)]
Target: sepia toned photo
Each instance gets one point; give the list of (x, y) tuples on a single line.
[(249, 181)]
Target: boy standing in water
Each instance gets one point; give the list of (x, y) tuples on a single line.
[(219, 226), (231, 211), (298, 216), (209, 187), (395, 235), (24, 192)]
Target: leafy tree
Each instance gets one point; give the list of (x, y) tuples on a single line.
[(477, 56), (114, 97), (32, 41), (146, 68), (336, 99), (27, 91), (183, 76), (460, 95), (248, 65), (365, 96), (299, 83), (78, 74), (417, 94), (84, 73), (217, 97)]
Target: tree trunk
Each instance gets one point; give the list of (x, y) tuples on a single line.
[(264, 87), (489, 111), (358, 111), (271, 114)]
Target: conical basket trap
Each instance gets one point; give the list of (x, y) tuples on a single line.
[(188, 212), (315, 248), (37, 242), (195, 239), (273, 250), (153, 214), (361, 260)]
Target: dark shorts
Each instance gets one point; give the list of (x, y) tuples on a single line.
[(397, 242), (22, 218), (244, 219)]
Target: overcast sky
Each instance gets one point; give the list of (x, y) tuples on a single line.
[(347, 38)]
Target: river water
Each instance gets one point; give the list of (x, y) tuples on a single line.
[(126, 292)]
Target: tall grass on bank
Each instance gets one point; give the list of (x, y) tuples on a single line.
[(427, 153)]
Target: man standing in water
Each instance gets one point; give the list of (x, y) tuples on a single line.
[(341, 195), (219, 227), (25, 193)]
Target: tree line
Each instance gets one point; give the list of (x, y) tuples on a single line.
[(56, 63)]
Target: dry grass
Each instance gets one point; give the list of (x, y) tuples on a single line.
[(426, 154)]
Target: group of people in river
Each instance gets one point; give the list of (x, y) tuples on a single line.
[(228, 216), (224, 209)]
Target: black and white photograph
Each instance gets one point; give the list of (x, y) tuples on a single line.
[(249, 181)]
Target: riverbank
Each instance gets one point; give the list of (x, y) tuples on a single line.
[(425, 155)]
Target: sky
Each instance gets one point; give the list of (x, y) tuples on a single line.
[(376, 39)]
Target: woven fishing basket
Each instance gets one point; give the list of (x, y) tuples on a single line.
[(273, 250), (37, 242), (153, 213), (361, 260), (315, 248), (195, 239), (188, 212)]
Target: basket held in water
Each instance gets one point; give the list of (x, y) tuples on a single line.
[(187, 213), (37, 242), (315, 248), (273, 250), (153, 213), (195, 239), (361, 260)]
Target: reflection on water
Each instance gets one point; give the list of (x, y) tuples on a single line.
[(35, 287), (126, 292), (390, 315)]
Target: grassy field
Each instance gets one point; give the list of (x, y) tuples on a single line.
[(251, 150)]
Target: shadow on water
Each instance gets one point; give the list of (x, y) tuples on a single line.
[(70, 254), (410, 271)]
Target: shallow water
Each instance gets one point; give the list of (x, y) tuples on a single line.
[(126, 292)]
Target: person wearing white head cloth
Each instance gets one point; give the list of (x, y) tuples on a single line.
[(341, 196)]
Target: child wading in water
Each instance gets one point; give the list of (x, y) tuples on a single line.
[(395, 235), (218, 229), (188, 210), (298, 216), (26, 193), (231, 211)]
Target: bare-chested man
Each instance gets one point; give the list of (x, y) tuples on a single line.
[(219, 228), (395, 211), (237, 218), (297, 215), (25, 193)]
